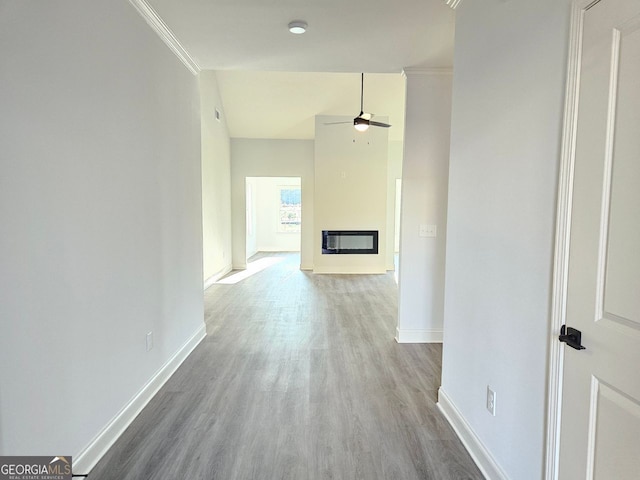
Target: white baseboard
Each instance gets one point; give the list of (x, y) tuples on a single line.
[(217, 276), (95, 450), (418, 336), (481, 456)]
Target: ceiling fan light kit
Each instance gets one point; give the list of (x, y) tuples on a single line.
[(361, 124), (298, 27)]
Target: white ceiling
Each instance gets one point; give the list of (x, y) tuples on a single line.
[(260, 64), (284, 104), (380, 36)]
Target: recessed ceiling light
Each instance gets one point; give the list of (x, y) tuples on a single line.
[(298, 27)]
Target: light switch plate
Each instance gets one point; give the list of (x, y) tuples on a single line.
[(428, 230)]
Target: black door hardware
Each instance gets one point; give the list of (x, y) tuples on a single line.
[(571, 337)]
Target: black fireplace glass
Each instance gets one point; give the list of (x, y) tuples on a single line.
[(350, 242)]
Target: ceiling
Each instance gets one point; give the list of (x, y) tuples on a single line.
[(284, 104), (273, 82)]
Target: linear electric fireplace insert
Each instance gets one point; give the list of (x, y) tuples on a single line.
[(350, 242)]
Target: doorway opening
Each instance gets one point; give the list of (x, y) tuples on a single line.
[(396, 231), (273, 215)]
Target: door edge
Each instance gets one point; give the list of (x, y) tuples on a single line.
[(562, 237)]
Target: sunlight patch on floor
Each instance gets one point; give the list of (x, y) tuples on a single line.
[(252, 268)]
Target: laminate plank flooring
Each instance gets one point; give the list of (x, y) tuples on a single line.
[(300, 378)]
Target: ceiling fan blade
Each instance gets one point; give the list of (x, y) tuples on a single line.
[(363, 120), (337, 123)]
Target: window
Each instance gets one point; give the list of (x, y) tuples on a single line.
[(290, 209)]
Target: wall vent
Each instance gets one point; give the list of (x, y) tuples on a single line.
[(453, 3)]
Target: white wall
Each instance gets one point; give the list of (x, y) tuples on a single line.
[(216, 180), (424, 202), (271, 158), (267, 209), (100, 214), (507, 109), (351, 191)]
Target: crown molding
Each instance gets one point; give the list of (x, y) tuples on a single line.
[(165, 33), (426, 71), (453, 3)]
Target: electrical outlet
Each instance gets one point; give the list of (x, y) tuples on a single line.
[(491, 401), (149, 341)]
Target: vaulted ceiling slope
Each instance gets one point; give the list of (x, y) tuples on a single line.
[(378, 36), (283, 105)]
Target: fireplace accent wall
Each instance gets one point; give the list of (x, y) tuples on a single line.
[(359, 242)]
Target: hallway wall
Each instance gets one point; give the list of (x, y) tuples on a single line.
[(216, 180), (508, 94), (100, 218), (425, 169)]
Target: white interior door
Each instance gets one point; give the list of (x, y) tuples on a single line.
[(600, 416)]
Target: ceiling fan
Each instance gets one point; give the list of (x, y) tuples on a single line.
[(363, 121)]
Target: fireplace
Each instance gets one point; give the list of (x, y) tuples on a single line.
[(359, 242)]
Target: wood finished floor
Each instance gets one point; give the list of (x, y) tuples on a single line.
[(298, 378)]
